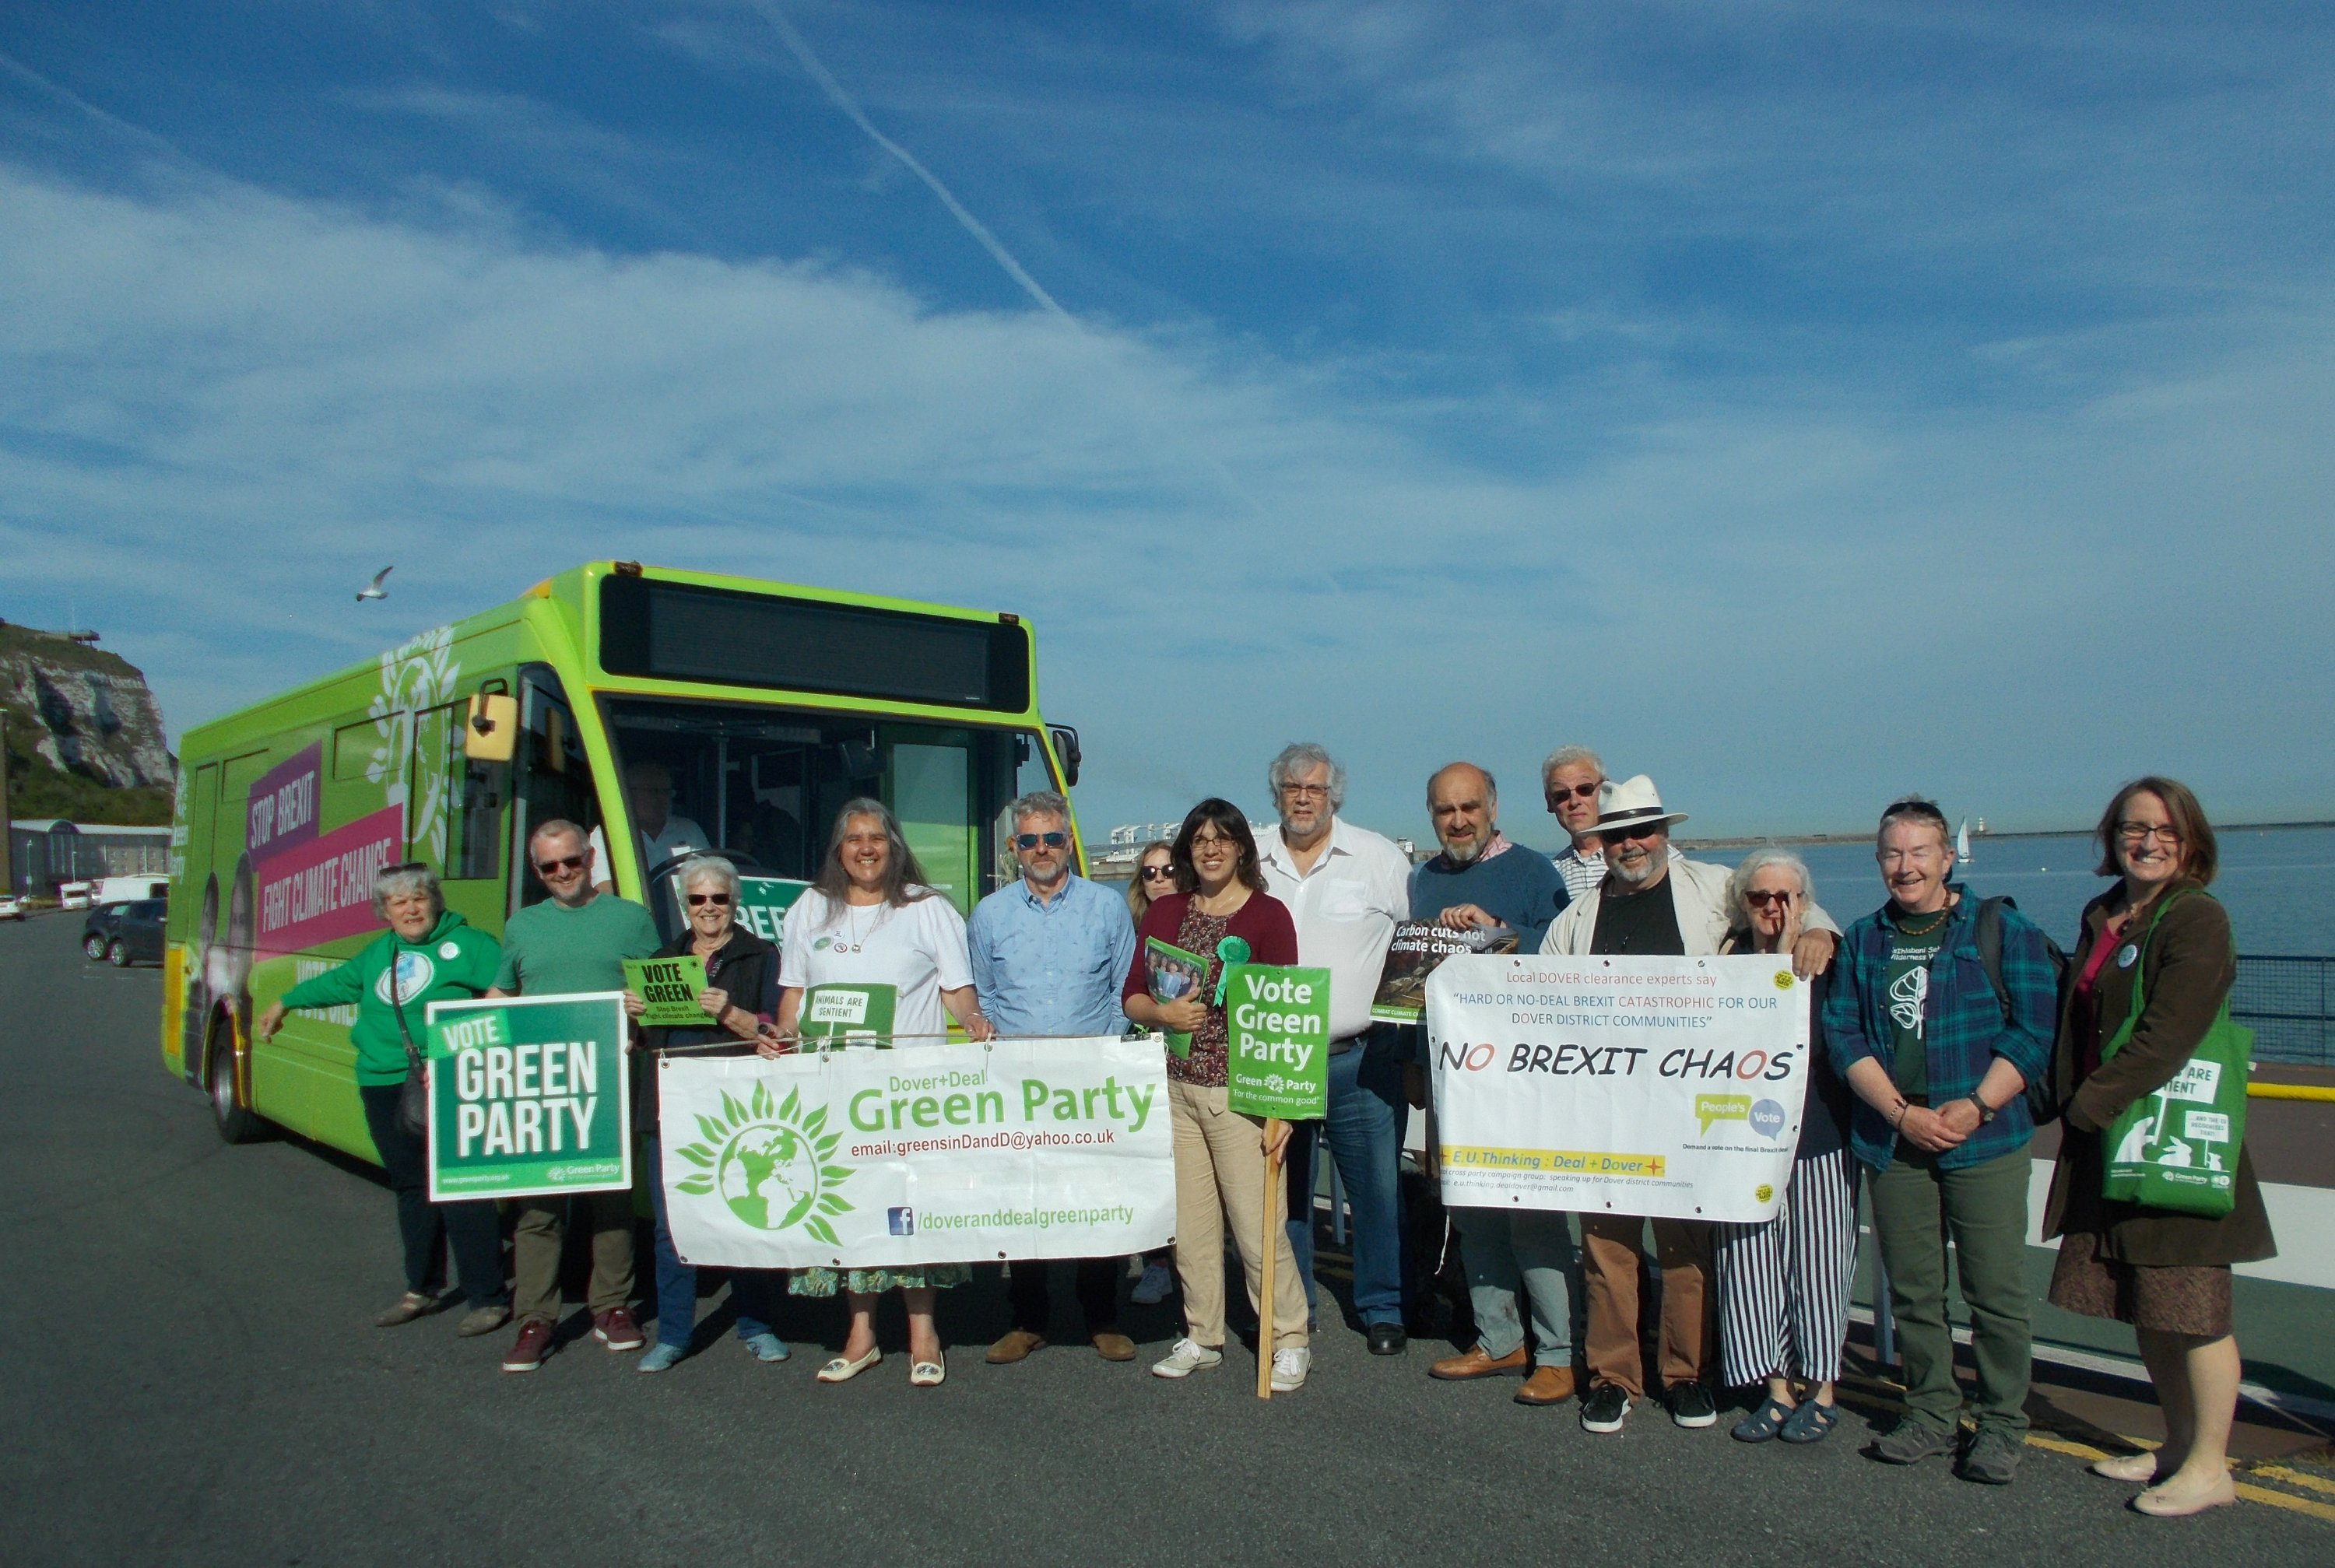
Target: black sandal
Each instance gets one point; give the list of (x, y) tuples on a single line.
[(1812, 1423), (1763, 1423)]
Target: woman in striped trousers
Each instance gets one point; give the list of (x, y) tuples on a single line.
[(1783, 1286)]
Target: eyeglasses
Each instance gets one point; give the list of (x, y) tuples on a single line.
[(1214, 845), (404, 865), (564, 863), (1306, 791), (1031, 840), (1157, 874), (1578, 791), (2142, 832), (719, 900), (1759, 899)]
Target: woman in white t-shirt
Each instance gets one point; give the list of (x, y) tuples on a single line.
[(870, 953)]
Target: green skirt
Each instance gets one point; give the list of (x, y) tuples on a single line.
[(876, 1282)]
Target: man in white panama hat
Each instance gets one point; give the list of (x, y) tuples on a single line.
[(1651, 902)]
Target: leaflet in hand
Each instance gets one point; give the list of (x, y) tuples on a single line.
[(1175, 975), (1419, 946)]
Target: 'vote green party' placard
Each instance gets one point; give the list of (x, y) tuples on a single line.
[(670, 987), (1277, 1041), (529, 1096)]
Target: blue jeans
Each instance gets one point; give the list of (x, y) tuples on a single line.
[(1364, 1132), (1508, 1250), (754, 1291)]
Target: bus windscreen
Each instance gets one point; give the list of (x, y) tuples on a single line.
[(683, 632)]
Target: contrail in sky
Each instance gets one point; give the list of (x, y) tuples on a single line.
[(842, 100)]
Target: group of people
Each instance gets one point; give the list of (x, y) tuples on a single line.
[(1940, 1028)]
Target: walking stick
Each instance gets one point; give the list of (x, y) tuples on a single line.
[(1273, 1223)]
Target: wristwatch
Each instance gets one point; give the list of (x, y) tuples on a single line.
[(1986, 1113)]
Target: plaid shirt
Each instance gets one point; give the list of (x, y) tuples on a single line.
[(1962, 1023)]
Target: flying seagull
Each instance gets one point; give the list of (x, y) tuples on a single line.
[(373, 590)]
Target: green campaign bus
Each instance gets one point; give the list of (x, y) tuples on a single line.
[(664, 710)]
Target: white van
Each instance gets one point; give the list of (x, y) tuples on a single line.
[(73, 895), (115, 890)]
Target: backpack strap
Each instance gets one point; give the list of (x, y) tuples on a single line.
[(1987, 932)]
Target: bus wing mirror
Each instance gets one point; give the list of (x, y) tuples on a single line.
[(1066, 748), (493, 731)]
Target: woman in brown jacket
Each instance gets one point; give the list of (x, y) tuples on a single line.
[(2167, 1274)]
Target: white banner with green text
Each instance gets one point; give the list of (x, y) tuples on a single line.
[(868, 1158), (1664, 1086)]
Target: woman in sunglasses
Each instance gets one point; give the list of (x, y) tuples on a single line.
[(1783, 1286), (740, 994), (1155, 879)]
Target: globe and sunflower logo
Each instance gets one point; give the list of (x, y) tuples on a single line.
[(770, 1163)]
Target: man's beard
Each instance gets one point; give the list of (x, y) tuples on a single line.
[(1634, 875), (1466, 852)]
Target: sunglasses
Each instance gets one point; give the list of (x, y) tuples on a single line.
[(1758, 899), (1582, 791), (719, 900), (1031, 840), (1643, 830), (1159, 874), (564, 863)]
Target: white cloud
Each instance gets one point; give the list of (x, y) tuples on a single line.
[(224, 409)]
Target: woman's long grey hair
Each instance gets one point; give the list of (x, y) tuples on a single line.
[(901, 871)]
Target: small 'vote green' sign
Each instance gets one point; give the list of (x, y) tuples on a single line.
[(529, 1096), (670, 987), (1277, 1041)]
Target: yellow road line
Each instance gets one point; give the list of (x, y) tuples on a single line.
[(2289, 1091), (2281, 1500), (2292, 1477)]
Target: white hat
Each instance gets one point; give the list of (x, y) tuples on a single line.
[(1631, 803)]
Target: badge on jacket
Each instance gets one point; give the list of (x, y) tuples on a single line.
[(2127, 954)]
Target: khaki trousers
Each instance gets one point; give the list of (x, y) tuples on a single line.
[(1609, 1268), (1220, 1176), (538, 1237)]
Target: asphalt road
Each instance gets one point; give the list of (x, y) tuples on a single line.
[(197, 1381)]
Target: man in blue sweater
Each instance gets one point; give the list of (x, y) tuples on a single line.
[(1481, 882)]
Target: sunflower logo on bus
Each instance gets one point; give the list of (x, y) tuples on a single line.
[(769, 1163)]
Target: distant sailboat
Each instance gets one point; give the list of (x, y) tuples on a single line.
[(1962, 843)]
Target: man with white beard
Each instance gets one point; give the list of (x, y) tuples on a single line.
[(1649, 903)]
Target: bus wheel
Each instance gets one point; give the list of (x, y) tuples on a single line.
[(117, 953), (236, 1124), (93, 945)]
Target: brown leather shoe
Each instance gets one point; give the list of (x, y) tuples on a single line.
[(1547, 1386), (1476, 1364), (1016, 1347), (1114, 1346)]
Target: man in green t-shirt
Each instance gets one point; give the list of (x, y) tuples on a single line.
[(574, 941)]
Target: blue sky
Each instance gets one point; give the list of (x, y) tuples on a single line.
[(1800, 403)]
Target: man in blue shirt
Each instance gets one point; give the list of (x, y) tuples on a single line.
[(1048, 953), (1481, 882)]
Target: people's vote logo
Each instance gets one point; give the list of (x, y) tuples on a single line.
[(1766, 1118)]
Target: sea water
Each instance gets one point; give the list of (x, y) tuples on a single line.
[(2277, 883)]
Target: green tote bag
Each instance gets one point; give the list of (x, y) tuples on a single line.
[(2178, 1149)]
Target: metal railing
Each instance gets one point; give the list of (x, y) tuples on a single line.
[(2284, 1001)]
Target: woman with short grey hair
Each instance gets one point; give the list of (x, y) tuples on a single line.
[(740, 994), (429, 954), (1783, 1285)]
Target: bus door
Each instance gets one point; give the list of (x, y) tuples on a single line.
[(553, 780)]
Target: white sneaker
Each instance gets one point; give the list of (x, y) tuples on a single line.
[(1186, 1357), (1152, 1289), (1289, 1368)]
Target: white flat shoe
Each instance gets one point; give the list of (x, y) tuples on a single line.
[(927, 1374), (839, 1371)]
